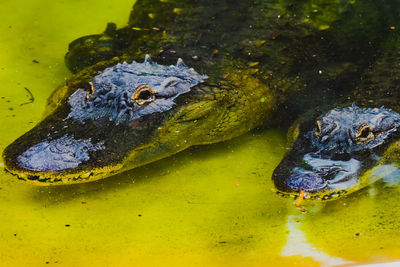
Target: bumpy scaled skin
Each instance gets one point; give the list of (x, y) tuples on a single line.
[(347, 148), (328, 161), (245, 61), (126, 92), (119, 95)]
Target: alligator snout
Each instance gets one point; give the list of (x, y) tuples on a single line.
[(56, 155)]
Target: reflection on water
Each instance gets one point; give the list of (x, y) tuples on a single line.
[(297, 244), (210, 205)]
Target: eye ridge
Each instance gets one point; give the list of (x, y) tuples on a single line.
[(143, 94)]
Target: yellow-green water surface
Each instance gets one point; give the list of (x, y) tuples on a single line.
[(208, 206)]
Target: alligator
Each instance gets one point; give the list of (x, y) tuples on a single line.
[(185, 73), (339, 151)]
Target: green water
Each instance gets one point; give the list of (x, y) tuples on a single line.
[(212, 205)]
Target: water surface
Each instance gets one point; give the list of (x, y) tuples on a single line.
[(211, 205)]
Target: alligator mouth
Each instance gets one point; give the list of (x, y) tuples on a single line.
[(62, 178), (61, 150), (319, 177)]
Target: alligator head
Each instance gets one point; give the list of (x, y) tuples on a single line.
[(121, 115), (332, 153)]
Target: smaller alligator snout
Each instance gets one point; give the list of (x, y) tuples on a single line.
[(315, 174)]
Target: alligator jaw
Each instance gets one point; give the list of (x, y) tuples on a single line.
[(54, 178)]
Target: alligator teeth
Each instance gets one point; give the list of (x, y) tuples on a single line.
[(180, 63), (147, 59)]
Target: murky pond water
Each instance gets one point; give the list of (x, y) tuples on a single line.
[(210, 205)]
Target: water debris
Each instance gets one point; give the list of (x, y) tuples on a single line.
[(215, 52), (145, 29), (31, 97), (139, 29), (177, 10), (324, 27), (253, 64), (260, 43)]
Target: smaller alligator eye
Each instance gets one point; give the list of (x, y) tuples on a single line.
[(365, 133), (143, 94), (319, 128)]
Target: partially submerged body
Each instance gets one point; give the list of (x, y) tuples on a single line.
[(342, 150), (247, 64)]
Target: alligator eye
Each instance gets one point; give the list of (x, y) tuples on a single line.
[(319, 128), (365, 133), (143, 94)]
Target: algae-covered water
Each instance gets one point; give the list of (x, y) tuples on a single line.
[(211, 205)]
